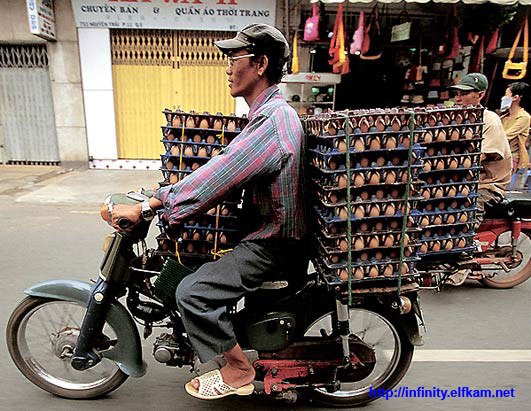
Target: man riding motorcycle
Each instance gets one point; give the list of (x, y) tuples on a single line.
[(496, 158), (265, 160)]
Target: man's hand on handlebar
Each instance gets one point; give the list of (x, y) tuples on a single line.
[(123, 213)]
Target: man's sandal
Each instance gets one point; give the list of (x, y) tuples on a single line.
[(212, 387)]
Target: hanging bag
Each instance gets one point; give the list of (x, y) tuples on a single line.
[(372, 42), (357, 38), (517, 71), (338, 59), (311, 27), (492, 45), (402, 31)]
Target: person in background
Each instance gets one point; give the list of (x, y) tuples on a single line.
[(516, 122), (496, 158)]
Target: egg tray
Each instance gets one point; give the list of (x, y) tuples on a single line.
[(337, 198), (451, 203), (365, 142), (451, 133), (389, 208), (209, 147), (239, 122), (449, 148), (445, 116), (204, 135), (446, 160), (460, 177), (189, 163), (333, 276), (329, 240), (401, 153), (360, 122), (445, 216), (338, 181), (331, 214), (332, 248), (334, 231), (469, 248), (448, 191)]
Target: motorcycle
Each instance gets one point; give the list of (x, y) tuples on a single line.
[(303, 337), (502, 256)]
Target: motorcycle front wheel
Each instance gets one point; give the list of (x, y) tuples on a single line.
[(41, 336), (393, 353), (518, 272)]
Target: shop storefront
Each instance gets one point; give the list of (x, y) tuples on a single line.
[(415, 50), (139, 58)]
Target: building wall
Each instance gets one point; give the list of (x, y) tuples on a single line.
[(64, 69)]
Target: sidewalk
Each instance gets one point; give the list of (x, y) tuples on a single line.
[(56, 185)]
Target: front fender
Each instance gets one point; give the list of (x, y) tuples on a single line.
[(127, 353)]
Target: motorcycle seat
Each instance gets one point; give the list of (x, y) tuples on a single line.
[(513, 205)]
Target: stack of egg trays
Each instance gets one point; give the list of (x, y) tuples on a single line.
[(379, 164), (451, 166), (198, 137)]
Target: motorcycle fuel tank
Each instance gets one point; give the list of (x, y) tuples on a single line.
[(271, 331)]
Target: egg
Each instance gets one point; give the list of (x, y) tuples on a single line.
[(190, 122), (174, 150), (190, 248), (380, 194), (390, 209), (374, 242), (426, 194), (342, 181), (215, 151), (365, 195), (170, 137), (374, 178), (364, 125), (378, 255), (451, 192), (231, 125), (390, 143), (424, 248), (374, 211), (373, 271), (450, 219), (431, 151), (343, 245), (448, 245), (396, 161), (169, 164), (359, 145), (388, 270), (342, 146), (467, 162), (334, 259), (435, 246), (461, 243), (343, 213), (379, 124), (405, 141), (203, 123), (454, 136), (364, 227), (212, 211), (380, 161), (465, 191), (453, 164), (202, 152), (176, 121), (218, 124), (375, 143), (427, 165), (438, 193), (359, 243), (389, 241), (364, 162), (390, 177), (364, 256), (424, 221), (195, 165), (446, 119), (332, 198), (469, 134), (333, 229), (173, 178), (463, 218), (395, 193), (427, 137), (405, 268), (359, 180), (441, 135), (393, 224), (395, 124), (378, 226), (196, 235), (343, 275), (358, 273), (359, 212), (444, 151), (458, 118), (432, 120), (440, 165), (453, 204), (332, 164), (437, 220)]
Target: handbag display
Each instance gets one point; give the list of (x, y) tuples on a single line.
[(311, 26), (517, 71)]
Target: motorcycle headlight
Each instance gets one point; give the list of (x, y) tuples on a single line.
[(107, 242)]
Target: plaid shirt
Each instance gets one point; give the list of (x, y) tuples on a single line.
[(265, 160)]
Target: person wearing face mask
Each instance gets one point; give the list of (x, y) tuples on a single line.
[(496, 158), (516, 122)]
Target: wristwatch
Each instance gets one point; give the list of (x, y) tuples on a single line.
[(147, 212)]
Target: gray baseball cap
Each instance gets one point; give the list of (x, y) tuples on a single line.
[(472, 81), (256, 36)]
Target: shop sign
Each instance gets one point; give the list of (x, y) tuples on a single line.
[(401, 32), (173, 14), (41, 18)]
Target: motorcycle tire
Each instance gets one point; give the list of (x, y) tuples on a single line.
[(27, 360), (363, 396), (512, 280)]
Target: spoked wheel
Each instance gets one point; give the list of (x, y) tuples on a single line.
[(520, 269), (392, 350), (41, 337)]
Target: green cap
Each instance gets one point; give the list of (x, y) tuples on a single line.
[(256, 36), (472, 81)]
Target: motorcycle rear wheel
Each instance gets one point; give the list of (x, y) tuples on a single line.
[(393, 352), (518, 274), (41, 335)]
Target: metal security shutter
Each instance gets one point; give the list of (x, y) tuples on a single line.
[(157, 69), (27, 121)]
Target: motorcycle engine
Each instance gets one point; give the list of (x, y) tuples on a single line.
[(170, 352), (271, 331)]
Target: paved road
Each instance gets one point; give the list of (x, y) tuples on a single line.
[(42, 240)]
